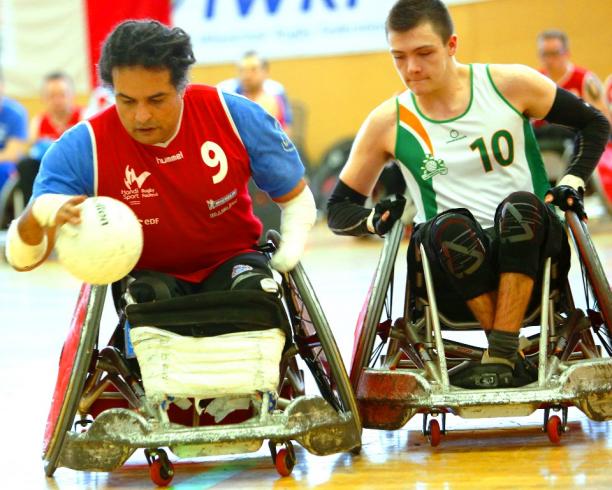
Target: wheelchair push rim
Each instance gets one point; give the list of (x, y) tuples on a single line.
[(370, 315), (325, 363), (74, 362), (593, 268)]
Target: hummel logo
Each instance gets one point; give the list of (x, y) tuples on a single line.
[(170, 159), (131, 177), (455, 136)]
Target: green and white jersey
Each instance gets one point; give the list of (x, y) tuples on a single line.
[(472, 161)]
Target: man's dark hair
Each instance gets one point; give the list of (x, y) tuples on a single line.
[(254, 54), (150, 44), (555, 34), (408, 14), (58, 75)]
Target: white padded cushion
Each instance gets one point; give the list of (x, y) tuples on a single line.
[(208, 367)]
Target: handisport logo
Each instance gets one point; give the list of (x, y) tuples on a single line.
[(131, 177), (134, 195)]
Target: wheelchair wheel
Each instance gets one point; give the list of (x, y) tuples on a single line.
[(315, 341), (597, 288), (73, 366), (379, 296)]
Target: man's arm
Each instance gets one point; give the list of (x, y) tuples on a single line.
[(65, 178), (298, 215), (15, 148), (16, 125), (593, 93), (31, 236), (277, 169), (372, 149), (34, 129), (537, 97)]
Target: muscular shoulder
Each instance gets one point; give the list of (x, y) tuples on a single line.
[(380, 125), (374, 145), (530, 92)]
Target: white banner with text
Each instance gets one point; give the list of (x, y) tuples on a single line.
[(222, 30)]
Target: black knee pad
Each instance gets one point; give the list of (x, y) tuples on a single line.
[(521, 217), (461, 248), (521, 223), (459, 243)]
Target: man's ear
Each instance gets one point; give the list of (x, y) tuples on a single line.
[(452, 45)]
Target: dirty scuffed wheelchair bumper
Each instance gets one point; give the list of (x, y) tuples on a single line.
[(117, 433), (387, 399)]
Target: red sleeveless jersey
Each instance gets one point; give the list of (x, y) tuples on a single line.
[(46, 129), (190, 196), (573, 80)]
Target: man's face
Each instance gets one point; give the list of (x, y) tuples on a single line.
[(251, 74), (553, 55), (58, 96), (421, 58), (148, 104)]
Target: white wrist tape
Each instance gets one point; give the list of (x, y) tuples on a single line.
[(298, 216), (370, 221), (20, 254), (46, 206), (572, 180)]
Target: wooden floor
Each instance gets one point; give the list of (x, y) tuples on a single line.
[(35, 310)]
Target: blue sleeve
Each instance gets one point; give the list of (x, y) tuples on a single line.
[(275, 163), (67, 167), (17, 120)]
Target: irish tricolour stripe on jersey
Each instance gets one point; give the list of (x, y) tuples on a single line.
[(415, 151)]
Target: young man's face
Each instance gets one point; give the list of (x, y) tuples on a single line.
[(421, 57), (148, 104), (553, 54)]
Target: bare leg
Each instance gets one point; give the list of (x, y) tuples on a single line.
[(483, 308), (512, 301)]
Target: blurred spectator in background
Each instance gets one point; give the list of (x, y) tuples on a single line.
[(254, 84), (60, 113), (557, 142), (554, 54), (13, 134)]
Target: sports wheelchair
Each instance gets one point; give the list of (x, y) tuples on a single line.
[(100, 413), (401, 367)]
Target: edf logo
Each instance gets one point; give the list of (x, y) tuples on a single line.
[(245, 6)]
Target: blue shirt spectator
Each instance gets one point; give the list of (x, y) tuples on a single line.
[(13, 135)]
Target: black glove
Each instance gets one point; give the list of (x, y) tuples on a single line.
[(560, 195), (395, 205)]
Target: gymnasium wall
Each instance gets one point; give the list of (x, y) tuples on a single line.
[(338, 92)]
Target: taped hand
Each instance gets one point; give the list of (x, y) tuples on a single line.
[(386, 213)]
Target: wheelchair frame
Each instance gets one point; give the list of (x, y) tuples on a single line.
[(412, 375), (87, 375)]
